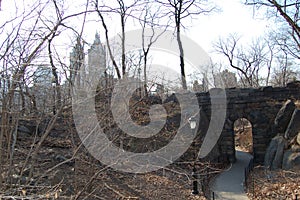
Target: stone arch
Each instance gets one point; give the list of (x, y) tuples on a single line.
[(240, 112), (258, 105)]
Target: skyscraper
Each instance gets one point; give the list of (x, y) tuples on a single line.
[(77, 62), (97, 56), (96, 61)]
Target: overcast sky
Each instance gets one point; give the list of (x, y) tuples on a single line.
[(234, 17)]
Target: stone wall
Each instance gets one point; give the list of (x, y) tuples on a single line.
[(259, 106)]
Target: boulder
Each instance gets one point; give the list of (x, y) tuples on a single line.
[(29, 124), (294, 126), (270, 153), (26, 128), (281, 145), (274, 153), (171, 98), (291, 160), (24, 131), (283, 116)]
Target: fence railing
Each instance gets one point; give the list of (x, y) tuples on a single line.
[(205, 185), (247, 171)]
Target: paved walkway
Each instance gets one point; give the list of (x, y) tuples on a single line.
[(229, 184)]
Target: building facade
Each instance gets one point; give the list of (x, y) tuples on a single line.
[(97, 56)]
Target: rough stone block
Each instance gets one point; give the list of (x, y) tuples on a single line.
[(283, 116), (290, 160), (274, 153), (294, 126)]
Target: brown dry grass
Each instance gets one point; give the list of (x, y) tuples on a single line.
[(87, 178), (273, 184), (83, 177)]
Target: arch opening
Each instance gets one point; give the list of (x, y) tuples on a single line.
[(243, 137)]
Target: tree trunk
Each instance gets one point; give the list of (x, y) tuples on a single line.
[(57, 93), (123, 46), (182, 70), (145, 74)]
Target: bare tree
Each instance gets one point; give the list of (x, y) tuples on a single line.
[(149, 17), (247, 61), (287, 13), (30, 41), (123, 11), (23, 46), (281, 63), (285, 71), (57, 92), (19, 54), (269, 63), (178, 11)]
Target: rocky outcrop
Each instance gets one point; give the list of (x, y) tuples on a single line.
[(294, 125), (32, 127), (284, 151), (291, 160), (24, 131), (283, 116), (275, 151)]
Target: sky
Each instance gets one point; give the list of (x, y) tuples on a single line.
[(234, 17)]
